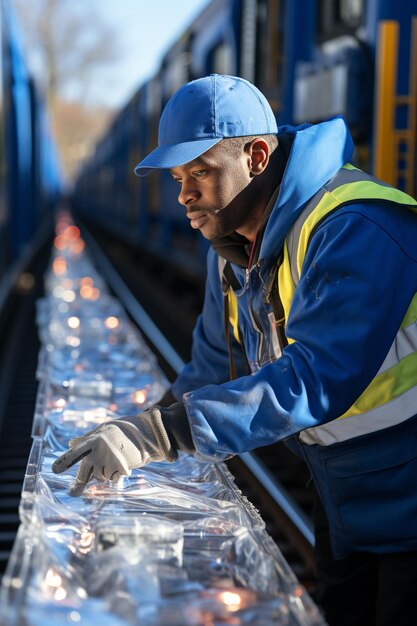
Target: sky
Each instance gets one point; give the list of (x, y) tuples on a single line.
[(148, 28)]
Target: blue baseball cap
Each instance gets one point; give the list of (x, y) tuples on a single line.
[(202, 113)]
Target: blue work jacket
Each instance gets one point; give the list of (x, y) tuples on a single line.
[(342, 331)]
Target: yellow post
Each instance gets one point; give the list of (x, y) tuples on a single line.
[(412, 113), (385, 145)]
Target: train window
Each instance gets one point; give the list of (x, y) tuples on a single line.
[(177, 72), (339, 17), (269, 48), (223, 59), (350, 12)]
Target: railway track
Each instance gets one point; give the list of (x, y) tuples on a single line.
[(273, 478), (18, 388)]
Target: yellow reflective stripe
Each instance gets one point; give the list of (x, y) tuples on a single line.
[(233, 313), (286, 285), (327, 203), (386, 386), (359, 190), (370, 190), (395, 412), (285, 282), (411, 315)]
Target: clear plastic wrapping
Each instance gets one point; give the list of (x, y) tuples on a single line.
[(173, 543)]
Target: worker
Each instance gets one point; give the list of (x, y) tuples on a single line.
[(308, 334)]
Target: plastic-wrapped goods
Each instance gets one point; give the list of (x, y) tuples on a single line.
[(173, 544), (79, 413)]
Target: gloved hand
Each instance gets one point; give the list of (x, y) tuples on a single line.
[(113, 449)]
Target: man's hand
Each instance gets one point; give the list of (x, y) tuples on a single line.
[(115, 448)]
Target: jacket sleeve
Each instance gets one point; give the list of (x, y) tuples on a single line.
[(209, 358), (356, 285)]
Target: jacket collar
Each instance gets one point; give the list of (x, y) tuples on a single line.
[(318, 152)]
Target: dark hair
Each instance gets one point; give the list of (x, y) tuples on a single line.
[(234, 145)]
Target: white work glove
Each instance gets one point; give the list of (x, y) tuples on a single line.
[(113, 449)]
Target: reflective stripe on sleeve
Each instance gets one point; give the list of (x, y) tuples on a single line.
[(395, 412), (404, 344)]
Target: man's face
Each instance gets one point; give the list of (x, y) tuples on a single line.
[(215, 190)]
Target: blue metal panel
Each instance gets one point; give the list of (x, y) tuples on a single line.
[(299, 33)]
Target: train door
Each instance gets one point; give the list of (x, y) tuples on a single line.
[(4, 204)]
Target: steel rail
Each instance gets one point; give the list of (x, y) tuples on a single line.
[(277, 492), (20, 265)]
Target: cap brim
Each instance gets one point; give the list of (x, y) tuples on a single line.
[(173, 155)]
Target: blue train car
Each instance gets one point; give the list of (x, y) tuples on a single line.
[(29, 166), (312, 58)]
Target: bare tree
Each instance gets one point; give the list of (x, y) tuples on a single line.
[(71, 42), (77, 129)]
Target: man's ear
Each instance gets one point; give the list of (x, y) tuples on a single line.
[(259, 152)]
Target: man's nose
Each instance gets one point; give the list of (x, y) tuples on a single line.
[(188, 194)]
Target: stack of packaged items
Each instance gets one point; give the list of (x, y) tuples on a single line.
[(173, 544)]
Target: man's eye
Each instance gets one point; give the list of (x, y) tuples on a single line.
[(199, 173)]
